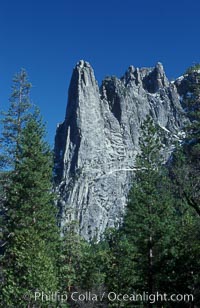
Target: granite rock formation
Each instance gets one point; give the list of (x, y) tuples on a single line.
[(96, 145)]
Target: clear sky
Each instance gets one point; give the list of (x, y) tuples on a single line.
[(48, 37)]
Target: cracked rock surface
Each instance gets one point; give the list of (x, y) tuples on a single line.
[(96, 145)]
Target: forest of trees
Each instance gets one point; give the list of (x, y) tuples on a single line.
[(156, 249)]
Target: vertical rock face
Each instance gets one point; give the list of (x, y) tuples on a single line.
[(96, 145)]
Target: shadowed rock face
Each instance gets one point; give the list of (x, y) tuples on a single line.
[(96, 145)]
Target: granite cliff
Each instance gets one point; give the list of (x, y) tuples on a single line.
[(96, 145)]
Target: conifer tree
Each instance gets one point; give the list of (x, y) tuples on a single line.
[(77, 261), (185, 173), (119, 264), (31, 235), (149, 223), (184, 277), (14, 120), (71, 258), (81, 265)]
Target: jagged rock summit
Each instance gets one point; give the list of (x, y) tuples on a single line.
[(96, 145)]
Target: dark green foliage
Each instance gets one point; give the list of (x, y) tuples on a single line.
[(161, 225), (137, 250), (151, 252), (120, 263), (73, 249), (185, 174), (150, 220), (31, 237), (81, 264), (14, 120), (185, 278), (27, 268)]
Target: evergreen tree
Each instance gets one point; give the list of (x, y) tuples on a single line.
[(27, 268), (185, 173), (119, 265), (71, 258), (149, 223), (14, 120), (82, 266), (31, 237), (77, 260), (184, 278)]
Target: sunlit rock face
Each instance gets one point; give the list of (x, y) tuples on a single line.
[(96, 145)]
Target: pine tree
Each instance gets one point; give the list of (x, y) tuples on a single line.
[(14, 120), (184, 278), (82, 265), (70, 258), (77, 261), (185, 171), (149, 223), (31, 237), (119, 264)]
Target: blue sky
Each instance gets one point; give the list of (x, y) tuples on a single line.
[(47, 38)]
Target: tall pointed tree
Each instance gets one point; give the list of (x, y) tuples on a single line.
[(119, 264), (149, 221), (31, 236), (185, 173), (14, 120)]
